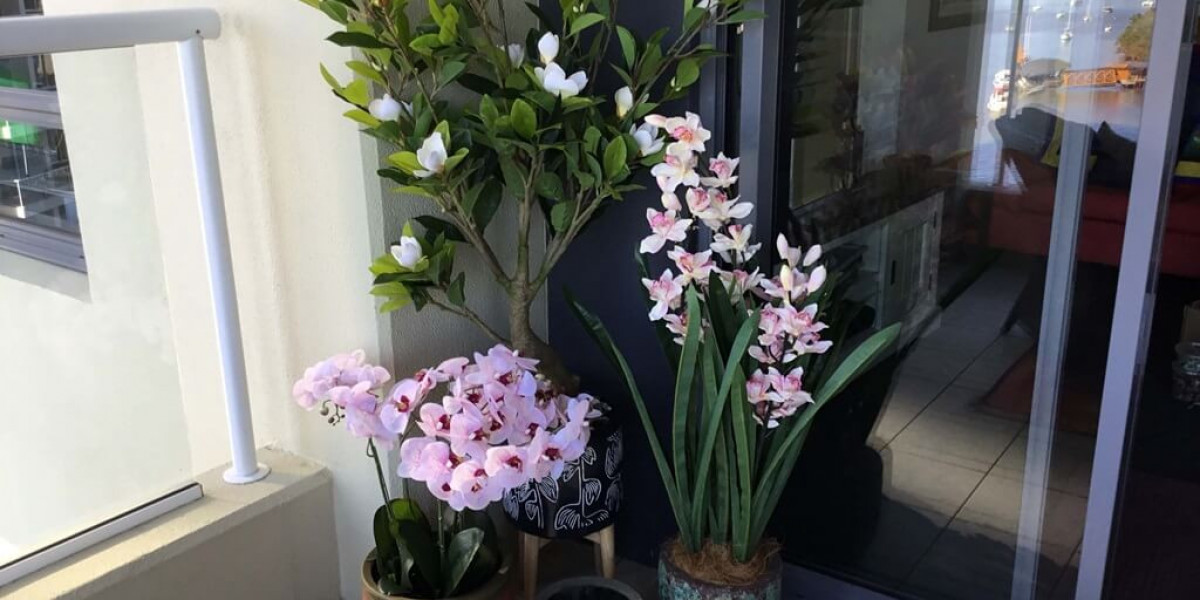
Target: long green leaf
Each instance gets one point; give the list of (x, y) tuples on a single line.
[(741, 444), (715, 411), (461, 552), (684, 382), (774, 491), (602, 338), (417, 539), (842, 376), (720, 534)]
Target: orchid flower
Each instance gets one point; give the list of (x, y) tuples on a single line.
[(686, 130), (678, 168), (723, 169), (736, 245), (693, 268), (666, 292), (664, 227), (432, 156)]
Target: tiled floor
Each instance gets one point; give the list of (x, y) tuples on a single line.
[(954, 469)]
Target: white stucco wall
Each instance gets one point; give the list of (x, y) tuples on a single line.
[(306, 214)]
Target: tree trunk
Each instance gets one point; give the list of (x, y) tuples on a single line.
[(527, 342)]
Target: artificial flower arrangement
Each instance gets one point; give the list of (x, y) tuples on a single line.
[(531, 130), (754, 361), (469, 430)]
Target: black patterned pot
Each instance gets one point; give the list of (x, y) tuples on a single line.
[(583, 499)]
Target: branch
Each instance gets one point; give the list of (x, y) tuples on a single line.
[(471, 316), (476, 239)]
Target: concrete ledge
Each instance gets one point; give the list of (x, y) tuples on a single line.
[(271, 539)]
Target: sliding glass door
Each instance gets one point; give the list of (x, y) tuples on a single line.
[(994, 174)]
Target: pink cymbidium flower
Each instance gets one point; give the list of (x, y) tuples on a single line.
[(686, 130), (666, 293), (693, 268), (723, 169), (678, 168), (664, 227), (736, 246)]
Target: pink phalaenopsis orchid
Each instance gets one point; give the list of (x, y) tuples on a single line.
[(496, 426)]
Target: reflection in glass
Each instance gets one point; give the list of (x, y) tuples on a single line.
[(924, 147)]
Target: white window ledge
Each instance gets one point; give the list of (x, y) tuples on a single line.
[(199, 548)]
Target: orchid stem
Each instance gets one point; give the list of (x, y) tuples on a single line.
[(374, 454)]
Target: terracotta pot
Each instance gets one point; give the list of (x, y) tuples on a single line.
[(495, 589), (584, 499), (676, 584)]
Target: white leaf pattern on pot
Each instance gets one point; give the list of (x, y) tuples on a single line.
[(613, 497), (548, 487), (591, 491), (612, 456)]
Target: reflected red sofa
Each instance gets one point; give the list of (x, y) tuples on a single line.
[(1021, 216)]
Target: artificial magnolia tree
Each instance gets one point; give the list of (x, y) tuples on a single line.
[(532, 131)]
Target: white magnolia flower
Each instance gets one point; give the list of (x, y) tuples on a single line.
[(678, 167), (432, 155), (647, 139), (385, 108), (624, 100), (516, 55), (555, 80), (548, 48), (407, 252), (710, 5)]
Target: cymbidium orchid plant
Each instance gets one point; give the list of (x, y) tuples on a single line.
[(532, 129), (496, 426), (753, 358)]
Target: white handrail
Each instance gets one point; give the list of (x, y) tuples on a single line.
[(188, 27), (20, 36)]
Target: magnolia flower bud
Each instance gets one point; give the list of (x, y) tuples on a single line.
[(624, 100), (548, 48), (407, 252), (385, 108), (516, 55)]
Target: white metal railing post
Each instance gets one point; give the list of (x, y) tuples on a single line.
[(245, 468)]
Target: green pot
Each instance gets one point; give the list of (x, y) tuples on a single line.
[(496, 588), (676, 584)]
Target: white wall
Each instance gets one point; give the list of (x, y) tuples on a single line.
[(305, 217)]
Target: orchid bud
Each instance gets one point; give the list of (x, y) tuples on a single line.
[(548, 48), (624, 100), (786, 278), (816, 279), (812, 256)]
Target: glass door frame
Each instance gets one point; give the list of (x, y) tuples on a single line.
[(758, 126)]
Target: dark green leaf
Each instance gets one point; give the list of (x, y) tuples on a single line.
[(686, 73), (437, 227), (354, 39), (416, 539), (584, 21), (455, 292), (561, 216), (451, 70), (614, 158), (628, 45), (524, 120), (460, 553)]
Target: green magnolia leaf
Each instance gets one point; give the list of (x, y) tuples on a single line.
[(561, 216), (414, 190), (407, 161), (460, 553), (523, 119), (584, 21), (335, 11), (385, 265), (437, 227), (743, 16), (487, 203), (488, 111), (426, 44), (357, 92), (614, 159), (395, 302), (451, 70), (365, 70), (330, 79), (455, 292), (550, 186), (628, 45), (686, 74), (355, 39), (361, 116), (591, 139)]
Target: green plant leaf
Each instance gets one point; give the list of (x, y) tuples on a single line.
[(549, 186), (407, 161), (455, 292), (584, 21), (488, 111), (451, 70), (367, 71), (361, 116), (614, 159), (459, 554), (438, 227), (686, 73), (357, 92), (609, 348), (743, 16), (355, 39), (524, 120), (628, 45), (561, 216), (417, 539), (426, 44)]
